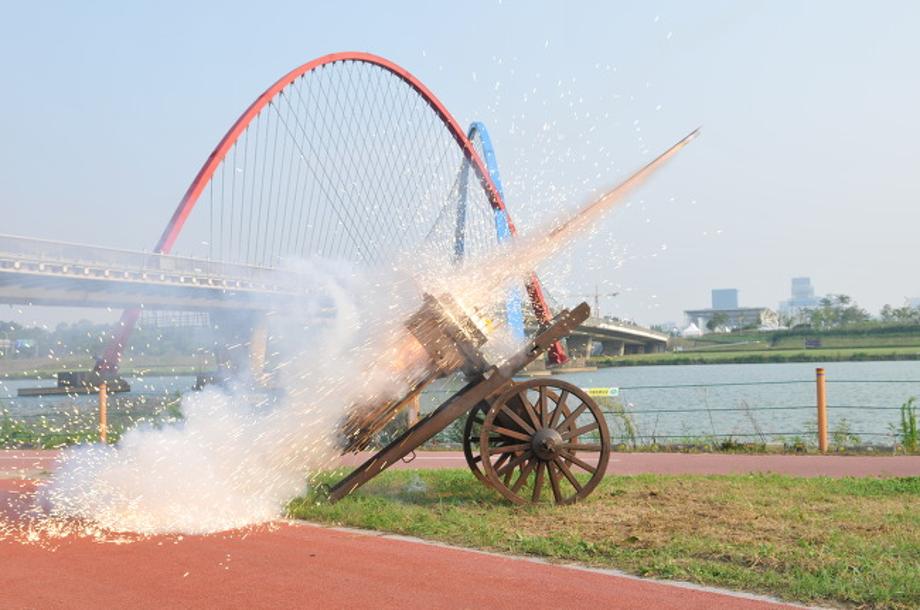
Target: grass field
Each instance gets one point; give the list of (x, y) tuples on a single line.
[(845, 542), (44, 368), (724, 355), (715, 348), (875, 343), (856, 337)]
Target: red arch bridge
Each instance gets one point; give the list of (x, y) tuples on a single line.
[(348, 156)]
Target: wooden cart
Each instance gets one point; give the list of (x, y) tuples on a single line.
[(527, 440)]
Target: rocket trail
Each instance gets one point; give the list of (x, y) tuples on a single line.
[(485, 280), (608, 199)]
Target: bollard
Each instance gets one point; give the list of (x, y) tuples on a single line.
[(822, 410), (103, 408)]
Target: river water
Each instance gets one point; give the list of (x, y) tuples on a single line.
[(665, 403)]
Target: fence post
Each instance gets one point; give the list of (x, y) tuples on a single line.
[(103, 414), (822, 410), (413, 413)]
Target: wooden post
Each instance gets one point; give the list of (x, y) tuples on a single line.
[(822, 410), (103, 414), (258, 349), (413, 412)]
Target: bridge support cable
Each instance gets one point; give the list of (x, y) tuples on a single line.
[(347, 157), (479, 137)]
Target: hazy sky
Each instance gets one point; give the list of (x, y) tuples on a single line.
[(808, 163)]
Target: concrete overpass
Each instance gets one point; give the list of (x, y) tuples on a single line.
[(617, 338), (40, 272)]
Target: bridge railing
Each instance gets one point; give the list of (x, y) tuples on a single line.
[(615, 324), (61, 256)]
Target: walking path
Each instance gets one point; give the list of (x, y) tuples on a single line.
[(302, 565), (290, 565), (713, 463), (35, 463)]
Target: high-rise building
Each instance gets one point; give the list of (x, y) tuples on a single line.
[(802, 288), (802, 297), (725, 298)]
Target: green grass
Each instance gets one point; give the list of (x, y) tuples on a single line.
[(16, 435), (785, 340), (857, 343), (852, 341), (56, 432), (44, 368), (754, 356), (848, 542)]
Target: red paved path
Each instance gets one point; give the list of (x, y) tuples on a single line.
[(717, 463), (29, 463), (307, 566)]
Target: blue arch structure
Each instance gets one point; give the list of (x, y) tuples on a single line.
[(514, 310)]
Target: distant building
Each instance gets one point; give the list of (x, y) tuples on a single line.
[(725, 298), (802, 290), (672, 328), (737, 317), (802, 297), (729, 315)]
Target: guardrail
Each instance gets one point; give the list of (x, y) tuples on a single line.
[(620, 325), (59, 258)]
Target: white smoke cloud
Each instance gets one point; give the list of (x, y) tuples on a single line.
[(241, 454)]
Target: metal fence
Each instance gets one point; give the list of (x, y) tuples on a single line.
[(836, 429), (638, 415)]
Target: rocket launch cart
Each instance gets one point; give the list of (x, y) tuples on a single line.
[(530, 440)]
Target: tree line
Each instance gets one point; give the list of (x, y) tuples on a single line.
[(840, 310), (86, 338)]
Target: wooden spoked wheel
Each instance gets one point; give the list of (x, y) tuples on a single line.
[(544, 438), (471, 440), (471, 436)]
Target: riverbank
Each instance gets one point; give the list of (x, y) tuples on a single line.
[(762, 356), (141, 366), (48, 370)]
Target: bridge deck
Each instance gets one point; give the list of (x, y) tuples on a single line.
[(42, 272)]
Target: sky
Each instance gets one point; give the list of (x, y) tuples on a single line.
[(807, 164)]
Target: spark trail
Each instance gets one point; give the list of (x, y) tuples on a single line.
[(237, 461), (484, 283)]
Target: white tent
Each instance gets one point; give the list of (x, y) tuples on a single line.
[(691, 331)]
